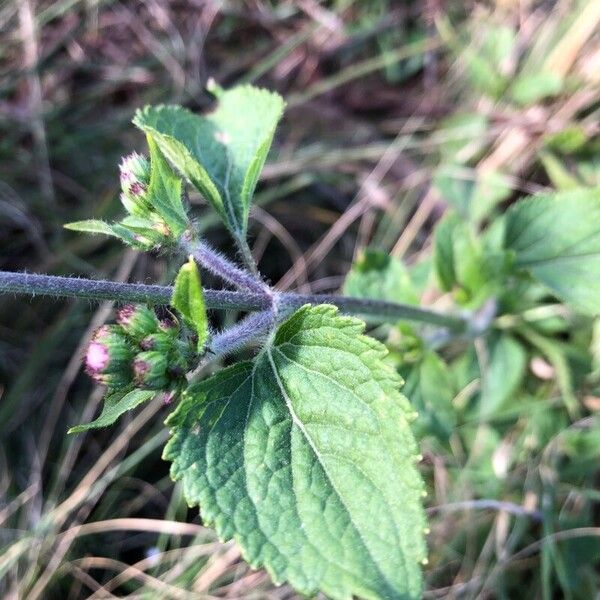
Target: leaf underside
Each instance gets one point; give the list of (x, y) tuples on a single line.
[(221, 153), (306, 457)]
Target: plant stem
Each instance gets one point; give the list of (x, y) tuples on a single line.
[(50, 285), (247, 331), (223, 268), (247, 257), (386, 311)]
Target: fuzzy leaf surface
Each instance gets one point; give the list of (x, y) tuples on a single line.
[(306, 457), (222, 153), (556, 237)]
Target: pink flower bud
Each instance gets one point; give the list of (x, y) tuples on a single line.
[(96, 360), (108, 357), (135, 178), (137, 321)]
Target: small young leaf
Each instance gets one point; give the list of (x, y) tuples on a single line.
[(164, 191), (306, 457), (382, 277), (557, 238), (188, 299), (115, 405), (223, 152), (100, 227), (91, 226)]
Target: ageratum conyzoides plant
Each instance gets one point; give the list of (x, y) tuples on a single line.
[(305, 454)]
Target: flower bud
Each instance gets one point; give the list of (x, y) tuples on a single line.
[(135, 178), (138, 321), (135, 168), (169, 325), (108, 357), (161, 342), (150, 370)]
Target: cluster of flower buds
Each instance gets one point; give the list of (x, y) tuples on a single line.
[(148, 226), (142, 350)]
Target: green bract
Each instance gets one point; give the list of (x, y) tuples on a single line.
[(305, 456), (188, 299), (221, 153)]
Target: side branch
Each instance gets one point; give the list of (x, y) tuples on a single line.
[(385, 311)]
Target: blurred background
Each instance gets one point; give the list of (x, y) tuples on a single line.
[(396, 111)]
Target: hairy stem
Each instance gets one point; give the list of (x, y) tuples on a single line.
[(247, 256), (386, 311), (220, 266), (241, 334), (247, 331), (50, 285)]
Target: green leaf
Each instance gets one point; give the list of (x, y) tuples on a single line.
[(557, 238), (462, 136), (100, 227), (115, 405), (91, 226), (531, 88), (499, 44), (558, 173), (490, 189), (382, 277), (469, 265), (431, 389), (164, 191), (473, 195), (305, 456), (502, 373), (556, 354), (188, 299), (221, 153), (484, 76), (443, 251), (568, 140)]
